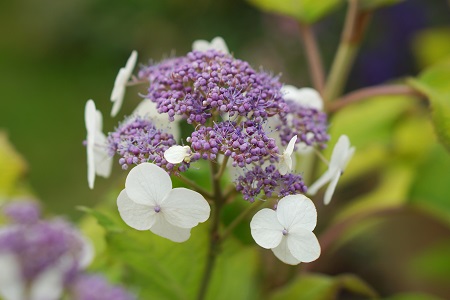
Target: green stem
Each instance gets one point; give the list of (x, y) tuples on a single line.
[(314, 58), (354, 28), (214, 238), (239, 219), (222, 168), (196, 187)]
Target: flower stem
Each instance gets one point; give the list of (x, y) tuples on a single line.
[(196, 187), (365, 93), (314, 58), (239, 219), (354, 27), (214, 238)]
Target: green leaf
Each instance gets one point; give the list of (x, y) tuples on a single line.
[(305, 11), (322, 287), (431, 46), (103, 219), (433, 263), (374, 4), (12, 167), (413, 296), (433, 82)]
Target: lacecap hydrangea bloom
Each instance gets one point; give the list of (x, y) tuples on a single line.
[(240, 118)]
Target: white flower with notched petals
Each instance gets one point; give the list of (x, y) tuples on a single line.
[(288, 230), (98, 160), (285, 164), (342, 153), (217, 43), (306, 97), (176, 154), (148, 202), (120, 83)]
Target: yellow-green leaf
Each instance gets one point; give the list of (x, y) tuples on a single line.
[(12, 167), (434, 83), (305, 11), (431, 46)]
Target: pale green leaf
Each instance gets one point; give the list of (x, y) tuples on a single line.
[(12, 167), (434, 83), (431, 46), (305, 11)]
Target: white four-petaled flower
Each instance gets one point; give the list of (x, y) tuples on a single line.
[(176, 154), (120, 83), (342, 153), (307, 97), (217, 43), (98, 160), (288, 230), (285, 164), (148, 202)]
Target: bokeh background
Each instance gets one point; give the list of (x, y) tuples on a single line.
[(55, 55)]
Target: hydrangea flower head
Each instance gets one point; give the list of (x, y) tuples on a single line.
[(120, 83), (148, 202), (95, 287), (98, 160), (38, 257), (342, 153), (288, 230)]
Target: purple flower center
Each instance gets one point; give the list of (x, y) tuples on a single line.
[(157, 208), (285, 232)]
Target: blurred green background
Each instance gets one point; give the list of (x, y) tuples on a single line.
[(55, 55)]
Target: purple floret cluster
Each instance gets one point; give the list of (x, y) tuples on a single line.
[(137, 140), (95, 287), (309, 124), (210, 83), (269, 181), (245, 143)]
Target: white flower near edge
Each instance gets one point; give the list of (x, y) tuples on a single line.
[(342, 153), (148, 202), (217, 43), (176, 154), (288, 230), (98, 161), (120, 83), (285, 163), (307, 97)]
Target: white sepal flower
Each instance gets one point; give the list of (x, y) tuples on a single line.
[(217, 43), (342, 153), (120, 83), (288, 230), (285, 164), (176, 154), (148, 202), (307, 97), (98, 160)]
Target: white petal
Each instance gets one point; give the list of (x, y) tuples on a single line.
[(147, 109), (11, 283), (185, 208), (283, 167), (119, 94), (148, 184), (200, 45), (169, 231), (90, 117), (176, 154), (303, 245), (290, 146), (339, 154), (102, 160), (297, 211), (98, 121), (131, 63), (48, 285), (326, 177), (265, 228), (310, 98), (282, 253), (137, 216), (87, 252), (331, 187), (219, 44)]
